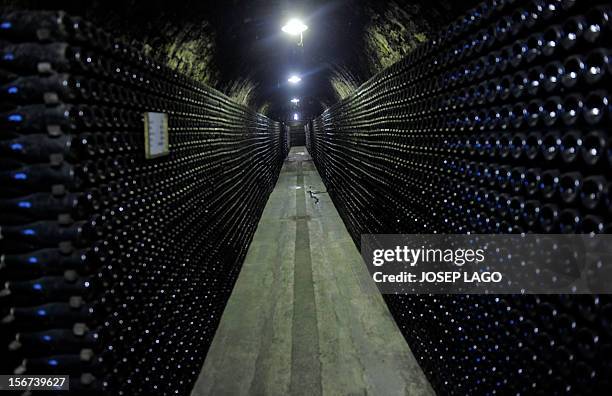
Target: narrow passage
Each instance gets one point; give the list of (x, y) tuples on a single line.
[(298, 321)]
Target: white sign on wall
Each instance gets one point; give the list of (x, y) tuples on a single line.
[(156, 134)]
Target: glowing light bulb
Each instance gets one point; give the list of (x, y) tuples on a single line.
[(294, 27)]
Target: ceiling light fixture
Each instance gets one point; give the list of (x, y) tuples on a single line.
[(295, 27)]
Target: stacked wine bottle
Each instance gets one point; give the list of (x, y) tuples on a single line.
[(500, 124), (115, 268)]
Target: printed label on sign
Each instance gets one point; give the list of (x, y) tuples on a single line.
[(156, 134)]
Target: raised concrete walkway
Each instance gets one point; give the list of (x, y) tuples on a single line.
[(298, 321)]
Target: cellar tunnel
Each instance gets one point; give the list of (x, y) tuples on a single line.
[(237, 47), (189, 192)]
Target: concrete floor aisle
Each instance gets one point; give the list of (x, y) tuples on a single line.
[(298, 321)]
